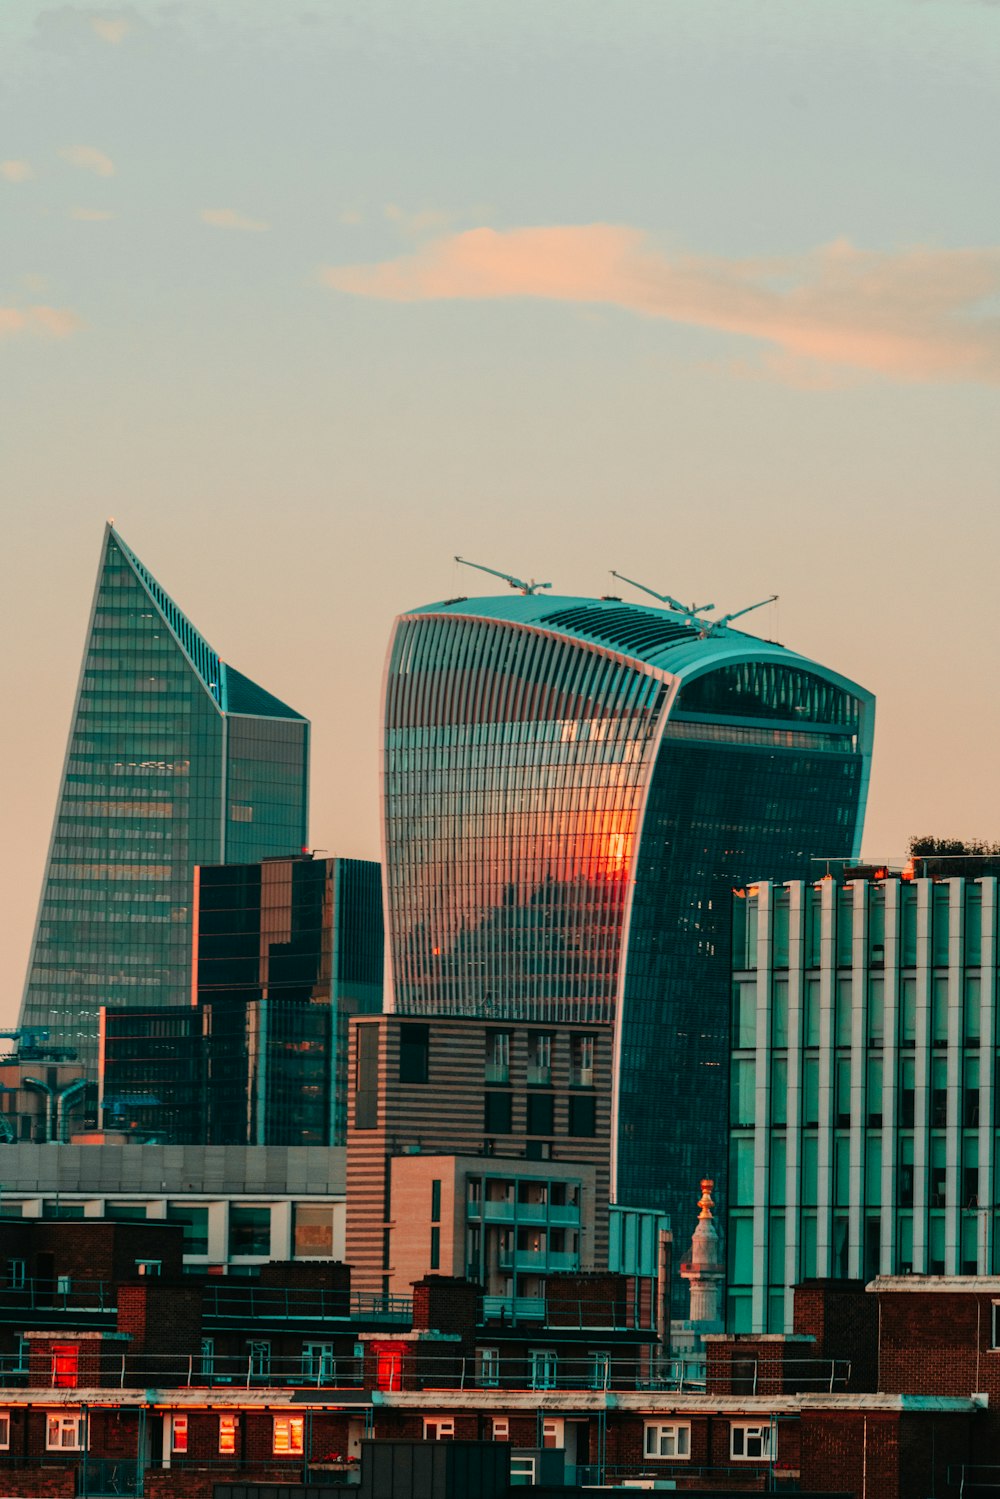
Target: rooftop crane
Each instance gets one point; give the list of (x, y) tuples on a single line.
[(518, 584), (689, 611), (707, 626)]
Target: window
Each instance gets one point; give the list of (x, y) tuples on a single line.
[(4, 1430), (312, 1231), (318, 1364), (498, 1114), (500, 1431), (148, 1267), (435, 1201), (583, 1115), (601, 1376), (552, 1432), (541, 1114), (227, 1434), (17, 1273), (414, 1053), (260, 1358), (208, 1358), (668, 1440), (435, 1247), (582, 1064), (249, 1230), (63, 1433), (543, 1368), (498, 1056), (195, 1223), (439, 1428), (366, 1077), (749, 1442), (287, 1437), (540, 1058), (489, 1367), (65, 1365), (179, 1434)]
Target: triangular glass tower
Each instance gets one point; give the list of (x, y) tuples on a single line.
[(174, 760)]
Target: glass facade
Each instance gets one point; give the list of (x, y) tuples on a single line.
[(174, 760), (287, 951), (572, 787)]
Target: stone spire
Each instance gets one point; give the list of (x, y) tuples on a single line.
[(704, 1270)]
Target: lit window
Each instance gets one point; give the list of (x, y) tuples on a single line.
[(65, 1365), (288, 1434), (227, 1434), (439, 1428), (62, 1433), (668, 1440), (4, 1430), (749, 1442), (179, 1434)]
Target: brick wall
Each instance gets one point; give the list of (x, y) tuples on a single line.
[(98, 1360), (843, 1318), (446, 1303)]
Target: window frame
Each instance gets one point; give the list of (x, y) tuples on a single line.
[(763, 1431), (679, 1432), (65, 1366), (229, 1426), (179, 1429), (4, 1430), (436, 1428), (500, 1429), (64, 1423)]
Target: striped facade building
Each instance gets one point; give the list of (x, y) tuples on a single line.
[(863, 1097)]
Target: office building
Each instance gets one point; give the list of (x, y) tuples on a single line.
[(477, 1149), (864, 1086), (175, 759), (286, 951), (572, 788)]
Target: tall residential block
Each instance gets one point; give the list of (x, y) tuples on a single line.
[(864, 1115), (572, 788), (175, 759)]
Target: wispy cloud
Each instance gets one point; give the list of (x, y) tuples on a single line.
[(16, 171), (91, 215), (89, 159), (419, 220), (918, 314), (46, 322), (352, 216), (228, 218), (111, 29)]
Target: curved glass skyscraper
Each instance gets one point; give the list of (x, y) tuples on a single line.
[(175, 759), (572, 789)]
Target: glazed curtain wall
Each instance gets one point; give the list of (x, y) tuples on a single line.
[(514, 771), (139, 808)]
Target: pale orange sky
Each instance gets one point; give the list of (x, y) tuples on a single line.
[(312, 297)]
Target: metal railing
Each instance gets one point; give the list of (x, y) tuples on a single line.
[(233, 1298), (331, 1369), (58, 1294)]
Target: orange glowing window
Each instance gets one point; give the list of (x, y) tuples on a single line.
[(227, 1434), (179, 1434), (65, 1365), (288, 1435)]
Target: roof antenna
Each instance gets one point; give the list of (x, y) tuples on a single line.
[(690, 611), (518, 584)]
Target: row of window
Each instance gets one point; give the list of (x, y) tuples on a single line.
[(663, 1440)]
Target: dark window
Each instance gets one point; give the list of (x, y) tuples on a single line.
[(497, 1120), (249, 1230), (414, 1051), (195, 1221), (435, 1248), (366, 1078), (540, 1113), (583, 1114), (435, 1202)]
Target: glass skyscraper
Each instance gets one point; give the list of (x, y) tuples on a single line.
[(175, 759), (572, 788)]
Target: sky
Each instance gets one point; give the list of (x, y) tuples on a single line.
[(312, 296)]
